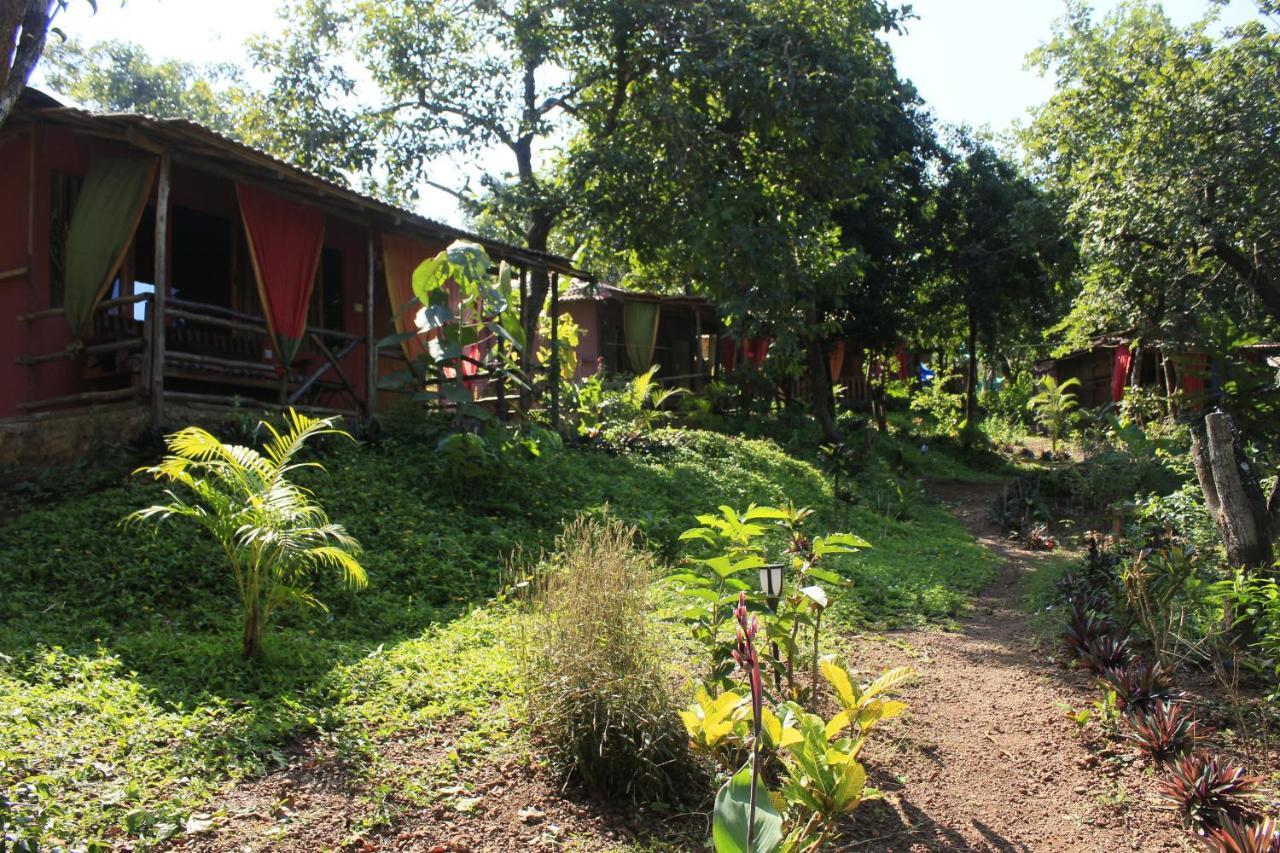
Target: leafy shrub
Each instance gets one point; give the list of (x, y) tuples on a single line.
[(273, 533), (1164, 731), (739, 545), (1008, 403), (820, 778), (1207, 791), (1238, 837), (941, 408), (1156, 586), (592, 667)]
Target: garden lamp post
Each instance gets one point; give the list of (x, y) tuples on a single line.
[(771, 584)]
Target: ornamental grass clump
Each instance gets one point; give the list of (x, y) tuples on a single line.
[(593, 665)]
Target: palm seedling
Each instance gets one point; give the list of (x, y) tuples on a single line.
[(1053, 406), (273, 532)]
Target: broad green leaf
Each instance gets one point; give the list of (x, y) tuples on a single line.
[(732, 817)]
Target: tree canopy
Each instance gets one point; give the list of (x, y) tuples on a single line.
[(1167, 142)]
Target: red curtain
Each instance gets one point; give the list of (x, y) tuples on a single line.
[(755, 350), (728, 354), (400, 257), (836, 361), (1195, 369), (1121, 359), (285, 239)]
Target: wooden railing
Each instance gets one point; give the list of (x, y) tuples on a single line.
[(201, 343)]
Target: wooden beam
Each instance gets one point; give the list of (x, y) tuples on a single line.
[(161, 290), (370, 345), (96, 349), (321, 371), (13, 273), (337, 367), (101, 306), (85, 397), (240, 402), (554, 377)]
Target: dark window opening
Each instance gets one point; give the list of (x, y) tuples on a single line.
[(201, 250), (325, 311)]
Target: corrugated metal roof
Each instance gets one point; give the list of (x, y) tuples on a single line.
[(153, 133)]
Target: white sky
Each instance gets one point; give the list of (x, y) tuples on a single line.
[(965, 56)]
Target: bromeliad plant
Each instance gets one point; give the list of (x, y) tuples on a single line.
[(1165, 731), (273, 532), (1208, 792), (739, 544)]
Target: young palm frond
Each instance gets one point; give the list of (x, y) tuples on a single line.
[(274, 534), (1054, 405)]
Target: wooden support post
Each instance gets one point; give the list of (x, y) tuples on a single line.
[(554, 376), (371, 348), (530, 350), (157, 313)]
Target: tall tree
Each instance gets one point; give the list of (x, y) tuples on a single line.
[(1166, 141), (1001, 249), (122, 76), (742, 165), (24, 28), (458, 80)]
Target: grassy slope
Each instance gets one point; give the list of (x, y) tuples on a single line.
[(121, 690)]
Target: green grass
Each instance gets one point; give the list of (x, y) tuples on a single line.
[(123, 696)]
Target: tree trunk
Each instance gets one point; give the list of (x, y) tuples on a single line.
[(20, 53), (1243, 516), (252, 643), (971, 379), (875, 391), (820, 380), (1254, 275), (536, 237)]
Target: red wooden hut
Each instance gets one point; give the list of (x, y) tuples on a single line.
[(153, 264)]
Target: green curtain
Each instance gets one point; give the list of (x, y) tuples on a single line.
[(640, 331), (102, 226)]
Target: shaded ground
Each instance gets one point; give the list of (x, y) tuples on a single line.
[(987, 759)]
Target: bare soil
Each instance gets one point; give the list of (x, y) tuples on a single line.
[(988, 759)]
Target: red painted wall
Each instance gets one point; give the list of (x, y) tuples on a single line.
[(15, 201), (587, 315)]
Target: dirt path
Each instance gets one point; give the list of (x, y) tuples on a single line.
[(988, 759)]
